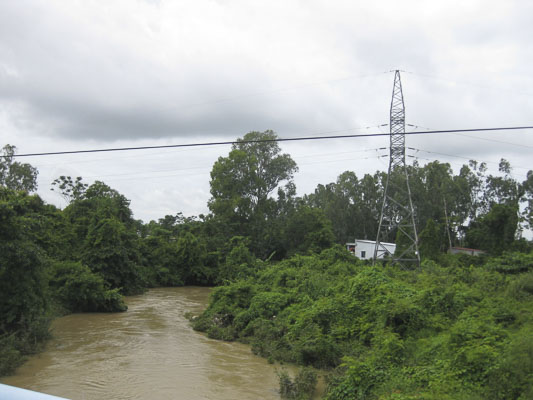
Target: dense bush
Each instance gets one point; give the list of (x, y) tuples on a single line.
[(511, 263), (454, 332), (301, 387), (78, 289), (24, 304)]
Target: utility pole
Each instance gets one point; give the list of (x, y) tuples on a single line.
[(397, 220)]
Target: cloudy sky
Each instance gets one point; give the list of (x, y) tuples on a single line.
[(86, 74)]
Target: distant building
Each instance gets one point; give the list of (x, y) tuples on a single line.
[(364, 249), (465, 250)]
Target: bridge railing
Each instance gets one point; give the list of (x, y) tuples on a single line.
[(14, 393)]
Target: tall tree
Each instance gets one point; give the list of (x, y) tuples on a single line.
[(70, 189), (15, 175), (352, 205), (105, 236), (23, 295), (308, 230), (527, 187), (502, 189), (243, 182), (495, 231), (111, 250)]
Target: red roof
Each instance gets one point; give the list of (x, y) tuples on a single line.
[(465, 248)]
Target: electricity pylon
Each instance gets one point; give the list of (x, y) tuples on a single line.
[(397, 220)]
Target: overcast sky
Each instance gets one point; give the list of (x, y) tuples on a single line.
[(94, 74)]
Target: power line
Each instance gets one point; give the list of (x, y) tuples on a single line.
[(495, 141), (264, 93), (159, 153), (206, 168), (472, 84), (476, 137), (203, 170), (463, 157), (459, 165), (330, 137)]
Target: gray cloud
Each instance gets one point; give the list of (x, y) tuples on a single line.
[(84, 75)]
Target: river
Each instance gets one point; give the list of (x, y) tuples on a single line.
[(148, 352)]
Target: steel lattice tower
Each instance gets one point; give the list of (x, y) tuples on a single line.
[(397, 220)]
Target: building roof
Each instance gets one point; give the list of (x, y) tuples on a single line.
[(371, 242), (465, 248)]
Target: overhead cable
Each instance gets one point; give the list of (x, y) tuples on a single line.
[(330, 137)]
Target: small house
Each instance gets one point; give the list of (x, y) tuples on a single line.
[(364, 249)]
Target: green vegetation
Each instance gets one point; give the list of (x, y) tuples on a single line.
[(15, 175), (23, 301), (301, 388), (75, 287), (459, 327), (448, 331)]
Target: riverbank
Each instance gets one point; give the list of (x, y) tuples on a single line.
[(445, 331)]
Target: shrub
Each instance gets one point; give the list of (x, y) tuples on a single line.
[(78, 289), (302, 387), (511, 263)]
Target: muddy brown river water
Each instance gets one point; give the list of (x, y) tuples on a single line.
[(148, 352)]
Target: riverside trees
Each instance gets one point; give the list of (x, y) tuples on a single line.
[(470, 208), (23, 286), (451, 331), (85, 257), (15, 175), (53, 261), (253, 196), (241, 187)]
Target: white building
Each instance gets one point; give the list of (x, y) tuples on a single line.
[(364, 249)]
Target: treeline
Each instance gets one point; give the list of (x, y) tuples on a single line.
[(85, 257), (472, 208), (88, 255)]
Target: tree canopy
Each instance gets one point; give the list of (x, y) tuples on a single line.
[(242, 184), (285, 284), (15, 175)]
